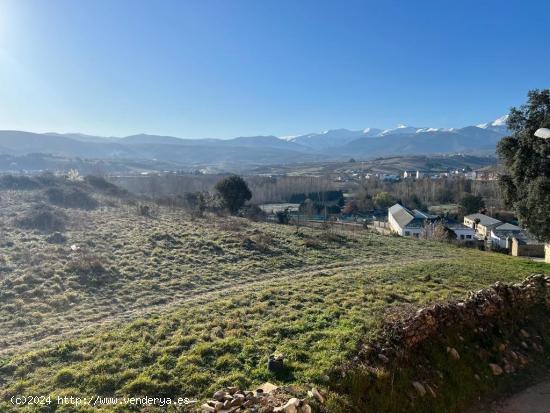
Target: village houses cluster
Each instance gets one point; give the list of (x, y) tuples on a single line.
[(476, 228), (358, 174)]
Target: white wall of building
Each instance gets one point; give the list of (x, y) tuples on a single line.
[(464, 234), (394, 225)]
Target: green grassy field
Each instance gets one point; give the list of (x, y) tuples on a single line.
[(167, 305)]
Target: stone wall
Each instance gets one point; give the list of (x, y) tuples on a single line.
[(527, 250), (446, 355)]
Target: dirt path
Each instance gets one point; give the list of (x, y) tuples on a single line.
[(534, 399)]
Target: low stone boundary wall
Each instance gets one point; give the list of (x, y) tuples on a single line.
[(446, 355)]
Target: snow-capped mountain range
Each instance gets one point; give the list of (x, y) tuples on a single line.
[(258, 150), (337, 137)]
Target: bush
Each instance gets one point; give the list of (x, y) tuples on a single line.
[(48, 179), (144, 210), (195, 203), (17, 182), (101, 184), (89, 268), (65, 377), (71, 198), (44, 218), (254, 213), (283, 217), (56, 238)]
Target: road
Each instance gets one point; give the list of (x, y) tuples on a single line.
[(534, 399)]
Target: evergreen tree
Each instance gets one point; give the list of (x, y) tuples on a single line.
[(234, 192), (526, 182)]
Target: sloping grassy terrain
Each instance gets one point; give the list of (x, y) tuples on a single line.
[(166, 305), (126, 264)]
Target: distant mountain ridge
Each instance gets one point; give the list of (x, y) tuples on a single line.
[(261, 150), (337, 137)]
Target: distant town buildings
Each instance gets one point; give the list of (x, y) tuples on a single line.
[(358, 174), (456, 173), (505, 236)]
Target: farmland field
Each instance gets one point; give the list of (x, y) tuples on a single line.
[(123, 303)]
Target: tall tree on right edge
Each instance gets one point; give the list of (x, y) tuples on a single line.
[(525, 183)]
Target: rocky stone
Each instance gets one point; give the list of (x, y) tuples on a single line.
[(496, 369), (305, 408), (524, 333), (291, 406), (453, 353), (431, 391), (523, 359), (419, 388), (509, 368), (383, 358), (238, 399), (267, 387), (207, 408), (219, 396), (317, 395)]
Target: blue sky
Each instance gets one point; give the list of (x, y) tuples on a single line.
[(229, 68)]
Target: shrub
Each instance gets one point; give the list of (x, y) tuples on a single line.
[(144, 210), (283, 217), (17, 182), (65, 377), (195, 203), (90, 270), (71, 198), (48, 179), (56, 238), (101, 184), (254, 213), (43, 218)]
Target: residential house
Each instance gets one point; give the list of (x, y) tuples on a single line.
[(502, 235), (461, 232), (482, 224), (405, 222)]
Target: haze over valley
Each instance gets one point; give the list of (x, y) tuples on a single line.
[(38, 151)]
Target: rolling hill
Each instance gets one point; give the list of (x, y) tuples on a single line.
[(170, 305), (245, 152)]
